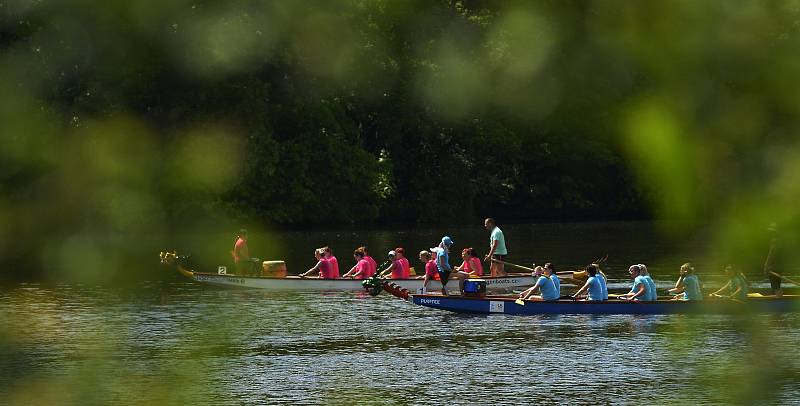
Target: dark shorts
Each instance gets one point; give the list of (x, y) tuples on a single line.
[(774, 282), (499, 257), (444, 276)]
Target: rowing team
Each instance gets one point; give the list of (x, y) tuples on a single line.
[(644, 288), (327, 266)]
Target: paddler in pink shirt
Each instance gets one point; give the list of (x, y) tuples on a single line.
[(472, 264), (362, 268), (323, 266), (401, 256), (372, 264), (395, 268), (332, 260)]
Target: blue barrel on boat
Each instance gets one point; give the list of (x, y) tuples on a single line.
[(474, 287)]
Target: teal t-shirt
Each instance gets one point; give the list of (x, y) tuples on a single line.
[(595, 290), (602, 280), (691, 288), (652, 293), (547, 288), (638, 282), (497, 234), (739, 283), (556, 283)]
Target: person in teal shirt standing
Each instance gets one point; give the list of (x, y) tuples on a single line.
[(497, 248), (736, 286), (688, 285)]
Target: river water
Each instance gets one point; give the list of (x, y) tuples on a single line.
[(171, 341)]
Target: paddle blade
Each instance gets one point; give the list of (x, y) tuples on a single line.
[(520, 302)]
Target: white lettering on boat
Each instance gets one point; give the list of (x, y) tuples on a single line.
[(429, 301), (219, 279), (504, 281)]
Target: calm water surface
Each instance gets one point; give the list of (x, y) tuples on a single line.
[(179, 342), (176, 342)]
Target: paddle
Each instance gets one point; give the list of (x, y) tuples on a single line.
[(784, 278), (528, 269), (512, 265)]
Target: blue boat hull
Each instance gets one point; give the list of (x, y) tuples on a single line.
[(508, 305)]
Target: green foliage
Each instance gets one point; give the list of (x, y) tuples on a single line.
[(338, 112)]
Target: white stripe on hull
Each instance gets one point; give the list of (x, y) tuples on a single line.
[(296, 283)]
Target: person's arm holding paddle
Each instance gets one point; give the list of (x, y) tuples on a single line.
[(679, 286), (580, 291), (492, 249), (316, 267), (529, 291), (636, 294), (350, 272), (388, 271), (718, 292)]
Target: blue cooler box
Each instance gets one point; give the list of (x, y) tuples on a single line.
[(474, 287)]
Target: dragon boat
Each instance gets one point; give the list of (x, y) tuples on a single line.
[(273, 277), (488, 304)]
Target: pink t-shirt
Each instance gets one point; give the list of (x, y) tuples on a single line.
[(430, 268), (325, 269), (406, 267), (334, 265), (397, 269), (363, 269), (476, 263), (373, 266)]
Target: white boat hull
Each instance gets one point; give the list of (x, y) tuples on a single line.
[(315, 284)]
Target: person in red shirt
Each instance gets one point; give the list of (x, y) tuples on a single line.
[(241, 254)]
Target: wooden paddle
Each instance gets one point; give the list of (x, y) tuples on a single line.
[(512, 265), (784, 278), (529, 269)]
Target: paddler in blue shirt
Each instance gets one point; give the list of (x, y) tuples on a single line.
[(550, 272), (640, 288), (544, 284), (602, 279), (592, 285), (736, 286), (650, 283), (688, 285)]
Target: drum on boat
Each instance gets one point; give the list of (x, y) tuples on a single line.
[(275, 269)]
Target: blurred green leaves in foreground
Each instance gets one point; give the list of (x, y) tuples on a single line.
[(123, 122)]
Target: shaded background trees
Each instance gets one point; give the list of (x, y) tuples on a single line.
[(121, 122)]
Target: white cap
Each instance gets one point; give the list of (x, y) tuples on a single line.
[(391, 253)]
